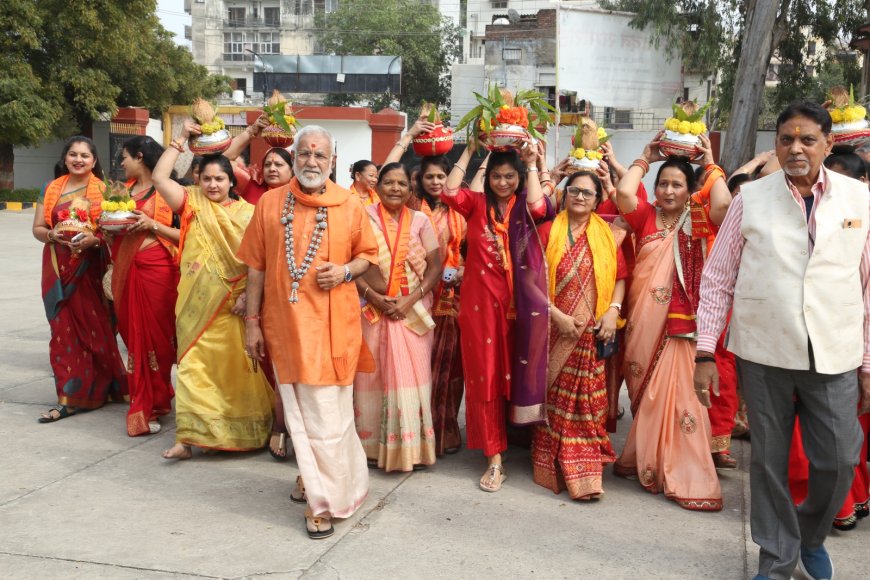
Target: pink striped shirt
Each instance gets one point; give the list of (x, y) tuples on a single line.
[(720, 271)]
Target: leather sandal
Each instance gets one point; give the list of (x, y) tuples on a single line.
[(492, 478), (281, 453), (298, 493), (318, 527), (62, 413), (723, 460)]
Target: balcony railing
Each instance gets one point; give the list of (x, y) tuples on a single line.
[(251, 22)]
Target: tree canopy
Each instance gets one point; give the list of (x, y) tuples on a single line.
[(66, 64), (427, 42), (807, 41)]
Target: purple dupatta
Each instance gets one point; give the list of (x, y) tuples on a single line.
[(532, 329)]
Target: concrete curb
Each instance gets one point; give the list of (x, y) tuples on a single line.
[(16, 205)]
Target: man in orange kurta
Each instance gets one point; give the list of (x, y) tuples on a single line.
[(307, 312)]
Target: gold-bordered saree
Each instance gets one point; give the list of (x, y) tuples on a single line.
[(221, 401)]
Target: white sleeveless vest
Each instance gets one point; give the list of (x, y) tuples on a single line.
[(784, 296)]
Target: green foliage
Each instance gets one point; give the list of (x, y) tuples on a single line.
[(31, 195), (427, 42), (483, 116), (707, 33), (682, 115), (66, 64)]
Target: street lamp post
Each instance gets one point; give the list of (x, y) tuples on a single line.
[(265, 78)]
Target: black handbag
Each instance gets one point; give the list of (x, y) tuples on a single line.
[(607, 349)]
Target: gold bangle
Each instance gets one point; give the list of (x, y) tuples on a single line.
[(366, 292), (462, 169)]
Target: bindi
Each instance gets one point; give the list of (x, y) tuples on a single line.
[(797, 131)]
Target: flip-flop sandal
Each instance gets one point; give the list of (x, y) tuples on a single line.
[(300, 487), (318, 527), (154, 427), (282, 445), (494, 473), (451, 450), (62, 413)]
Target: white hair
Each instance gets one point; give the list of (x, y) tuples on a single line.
[(313, 130)]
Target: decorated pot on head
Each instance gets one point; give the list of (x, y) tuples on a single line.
[(683, 130), (849, 119), (587, 142), (118, 206), (438, 141), (215, 138), (74, 220), (282, 124), (503, 121)]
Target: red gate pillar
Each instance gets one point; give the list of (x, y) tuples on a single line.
[(387, 126)]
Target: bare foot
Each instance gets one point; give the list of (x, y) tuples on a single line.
[(178, 451)]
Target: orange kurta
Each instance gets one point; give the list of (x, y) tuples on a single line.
[(298, 335)]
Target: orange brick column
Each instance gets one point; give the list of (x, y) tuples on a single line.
[(129, 121), (387, 126)]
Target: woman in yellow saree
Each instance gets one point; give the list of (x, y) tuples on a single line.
[(222, 400)]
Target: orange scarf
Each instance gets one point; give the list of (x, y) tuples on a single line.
[(398, 237), (162, 214), (444, 296), (344, 297), (501, 229), (93, 193), (367, 198), (700, 208)]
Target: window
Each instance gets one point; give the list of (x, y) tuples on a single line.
[(270, 43), (811, 49), (499, 3), (512, 54), (236, 16), (272, 16), (241, 85), (235, 44)]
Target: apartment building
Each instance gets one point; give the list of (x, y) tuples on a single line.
[(228, 35)]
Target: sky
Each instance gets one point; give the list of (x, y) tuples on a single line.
[(171, 14)]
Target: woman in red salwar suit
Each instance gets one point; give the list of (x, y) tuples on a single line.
[(487, 316)]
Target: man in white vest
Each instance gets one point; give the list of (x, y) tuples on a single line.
[(793, 260)]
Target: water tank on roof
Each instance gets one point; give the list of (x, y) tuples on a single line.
[(238, 97)]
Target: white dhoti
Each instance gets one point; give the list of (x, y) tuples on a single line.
[(329, 454)]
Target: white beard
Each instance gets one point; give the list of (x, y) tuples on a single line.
[(796, 172), (309, 182)]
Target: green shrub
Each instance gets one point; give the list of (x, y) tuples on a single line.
[(31, 195)]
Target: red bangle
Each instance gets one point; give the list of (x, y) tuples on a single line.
[(254, 317), (176, 146)]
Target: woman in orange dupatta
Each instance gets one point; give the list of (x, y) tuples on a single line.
[(223, 400), (365, 177), (450, 228), (586, 286), (393, 404), (145, 289), (83, 352), (668, 446)]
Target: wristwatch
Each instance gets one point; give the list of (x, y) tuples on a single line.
[(347, 275)]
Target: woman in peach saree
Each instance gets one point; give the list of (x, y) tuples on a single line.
[(668, 446)]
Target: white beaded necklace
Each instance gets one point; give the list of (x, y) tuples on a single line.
[(296, 273)]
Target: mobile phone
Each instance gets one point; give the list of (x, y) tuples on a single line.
[(78, 237)]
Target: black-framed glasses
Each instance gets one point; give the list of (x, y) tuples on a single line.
[(575, 192)]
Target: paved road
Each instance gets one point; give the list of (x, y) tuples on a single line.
[(80, 499)]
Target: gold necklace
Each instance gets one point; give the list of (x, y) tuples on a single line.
[(668, 226)]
